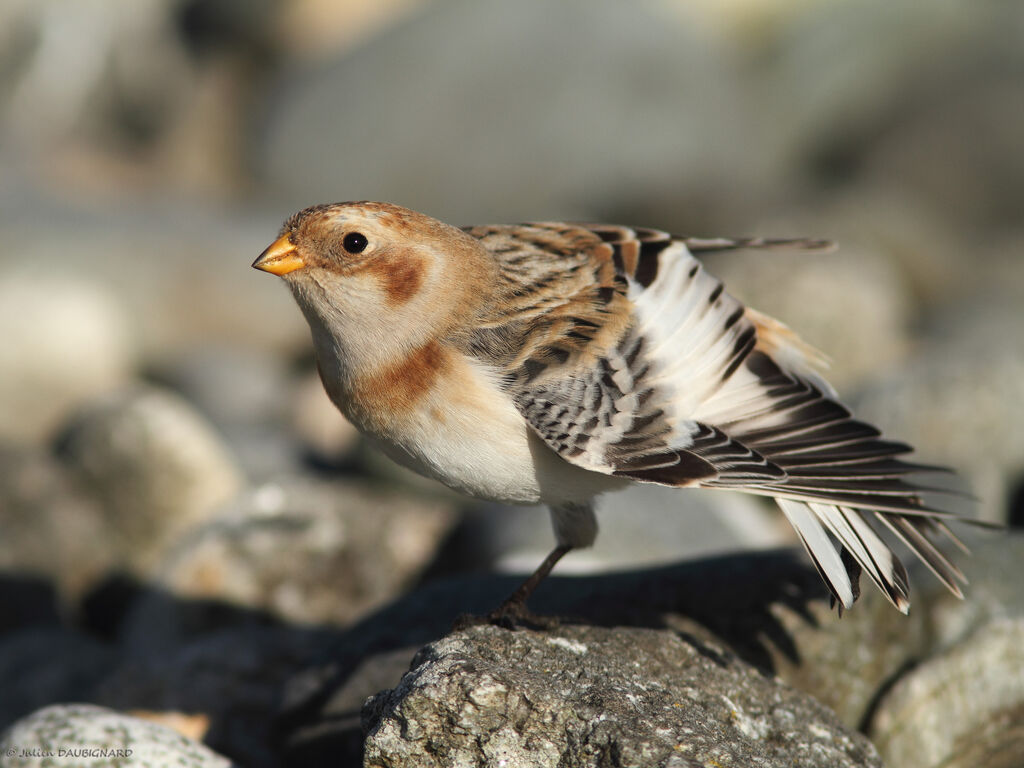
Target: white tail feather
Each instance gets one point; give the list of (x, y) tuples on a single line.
[(820, 547)]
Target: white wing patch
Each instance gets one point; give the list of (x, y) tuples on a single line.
[(695, 332)]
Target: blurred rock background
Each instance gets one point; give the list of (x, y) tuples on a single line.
[(174, 483)]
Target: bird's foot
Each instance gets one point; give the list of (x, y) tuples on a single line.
[(511, 614)]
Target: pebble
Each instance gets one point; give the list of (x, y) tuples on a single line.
[(154, 465)]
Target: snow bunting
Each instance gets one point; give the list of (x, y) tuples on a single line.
[(551, 362)]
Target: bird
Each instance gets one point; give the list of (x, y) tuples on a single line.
[(551, 362)]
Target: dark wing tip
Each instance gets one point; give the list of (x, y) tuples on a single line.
[(712, 244)]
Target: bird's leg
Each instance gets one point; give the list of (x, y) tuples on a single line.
[(575, 526), (513, 609)]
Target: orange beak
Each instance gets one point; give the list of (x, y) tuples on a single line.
[(280, 258)]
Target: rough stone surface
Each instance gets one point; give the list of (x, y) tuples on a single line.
[(588, 696), (960, 709), (95, 737), (154, 465), (323, 716), (303, 551), (767, 608)]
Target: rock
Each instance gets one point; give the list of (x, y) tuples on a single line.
[(302, 551), (67, 340), (767, 608), (543, 71), (845, 77), (994, 571), (232, 677), (844, 664), (956, 398), (961, 705), (848, 664), (249, 395), (86, 735), (45, 665), (959, 709), (591, 696), (154, 465), (150, 256), (52, 530)]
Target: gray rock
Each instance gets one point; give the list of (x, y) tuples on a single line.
[(589, 696), (150, 256), (995, 570), (52, 529), (845, 663), (957, 399), (299, 550), (67, 340), (93, 737), (155, 466), (919, 101), (46, 665), (767, 608), (249, 395), (960, 709), (956, 700), (326, 728), (568, 108), (958, 155)]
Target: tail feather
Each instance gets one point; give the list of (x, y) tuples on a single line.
[(821, 550), (834, 535), (910, 532)]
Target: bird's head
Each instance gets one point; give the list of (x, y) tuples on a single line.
[(369, 276)]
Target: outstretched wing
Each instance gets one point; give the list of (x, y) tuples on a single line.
[(628, 358)]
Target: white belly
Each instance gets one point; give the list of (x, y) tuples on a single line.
[(475, 441)]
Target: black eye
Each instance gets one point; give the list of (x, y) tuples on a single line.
[(354, 242)]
